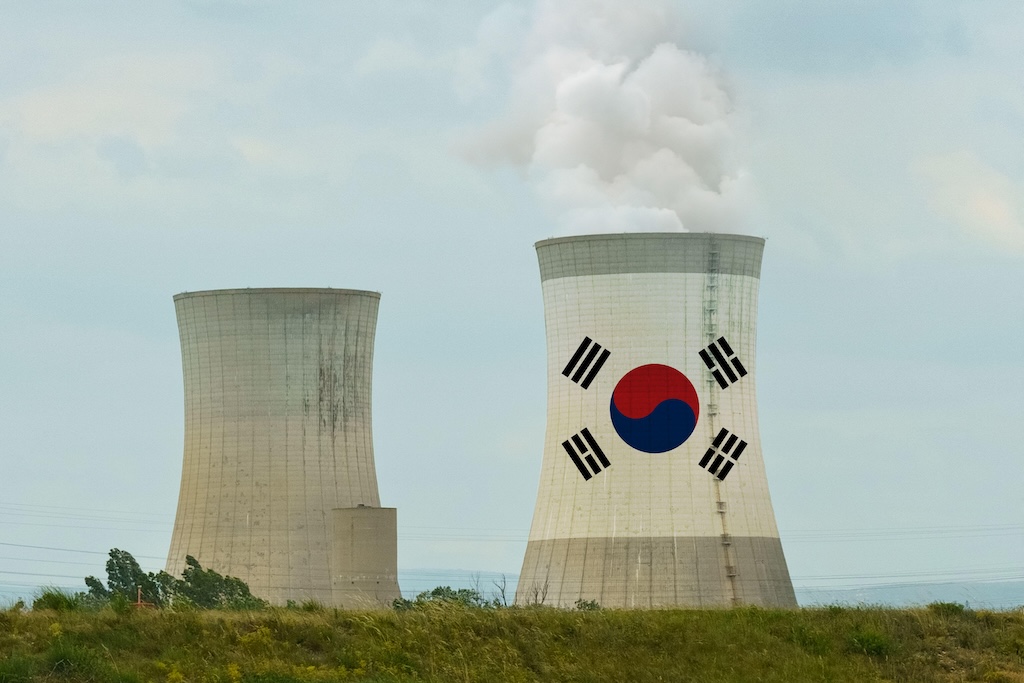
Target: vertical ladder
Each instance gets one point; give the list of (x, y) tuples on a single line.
[(710, 309)]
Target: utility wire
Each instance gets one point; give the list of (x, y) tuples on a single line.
[(72, 550), (491, 534), (134, 513)]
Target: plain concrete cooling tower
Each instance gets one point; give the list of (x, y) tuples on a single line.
[(277, 437), (653, 491)]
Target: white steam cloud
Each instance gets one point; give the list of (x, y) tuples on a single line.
[(618, 126)]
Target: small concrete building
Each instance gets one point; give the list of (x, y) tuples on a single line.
[(653, 490), (364, 562), (278, 484)]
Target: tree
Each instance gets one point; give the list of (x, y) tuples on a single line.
[(197, 586), (463, 597), (97, 589), (206, 588), (125, 577)]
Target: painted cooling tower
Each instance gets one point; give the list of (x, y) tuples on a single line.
[(653, 491), (277, 436)]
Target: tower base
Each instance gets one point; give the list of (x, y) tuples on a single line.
[(665, 571)]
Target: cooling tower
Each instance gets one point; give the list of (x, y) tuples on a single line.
[(277, 436), (653, 490)]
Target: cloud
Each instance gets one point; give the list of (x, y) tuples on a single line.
[(983, 202), (139, 94), (617, 125), (217, 133)]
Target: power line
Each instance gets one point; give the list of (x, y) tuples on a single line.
[(493, 534), (92, 528), (78, 509), (36, 559), (72, 550), (506, 535), (969, 570), (90, 518), (900, 534), (56, 576)]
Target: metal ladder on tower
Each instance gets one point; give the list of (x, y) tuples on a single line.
[(710, 309)]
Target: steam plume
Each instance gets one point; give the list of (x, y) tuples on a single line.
[(618, 126)]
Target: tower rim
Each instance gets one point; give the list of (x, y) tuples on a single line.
[(277, 290), (636, 236)]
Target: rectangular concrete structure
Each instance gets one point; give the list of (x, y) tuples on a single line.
[(277, 433), (621, 517), (365, 557)]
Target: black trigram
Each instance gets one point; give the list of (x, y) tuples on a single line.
[(726, 448), (591, 348), (582, 447), (718, 356)]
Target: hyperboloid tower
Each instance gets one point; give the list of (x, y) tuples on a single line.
[(653, 490), (278, 486)]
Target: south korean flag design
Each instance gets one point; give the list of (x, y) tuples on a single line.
[(653, 408)]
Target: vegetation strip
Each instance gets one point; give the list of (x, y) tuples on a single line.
[(445, 640)]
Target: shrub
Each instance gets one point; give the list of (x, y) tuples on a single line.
[(206, 588), (1001, 677), (269, 677), (197, 587), (59, 600), (16, 669), (77, 662), (446, 595), (870, 642), (120, 604), (810, 639), (18, 606), (587, 605), (947, 609)]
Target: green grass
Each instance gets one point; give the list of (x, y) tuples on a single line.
[(451, 643), (59, 600)]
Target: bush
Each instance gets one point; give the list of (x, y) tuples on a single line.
[(446, 595), (947, 609), (197, 587), (16, 669), (59, 600), (120, 604), (810, 639), (77, 662), (206, 588), (18, 606), (1001, 677), (870, 642)]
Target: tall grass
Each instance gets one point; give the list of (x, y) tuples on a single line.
[(445, 642), (59, 600)]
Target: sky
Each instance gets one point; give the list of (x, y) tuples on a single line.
[(204, 144)]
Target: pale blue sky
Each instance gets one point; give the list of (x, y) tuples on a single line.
[(150, 150)]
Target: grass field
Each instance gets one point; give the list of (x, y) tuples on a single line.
[(441, 642)]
